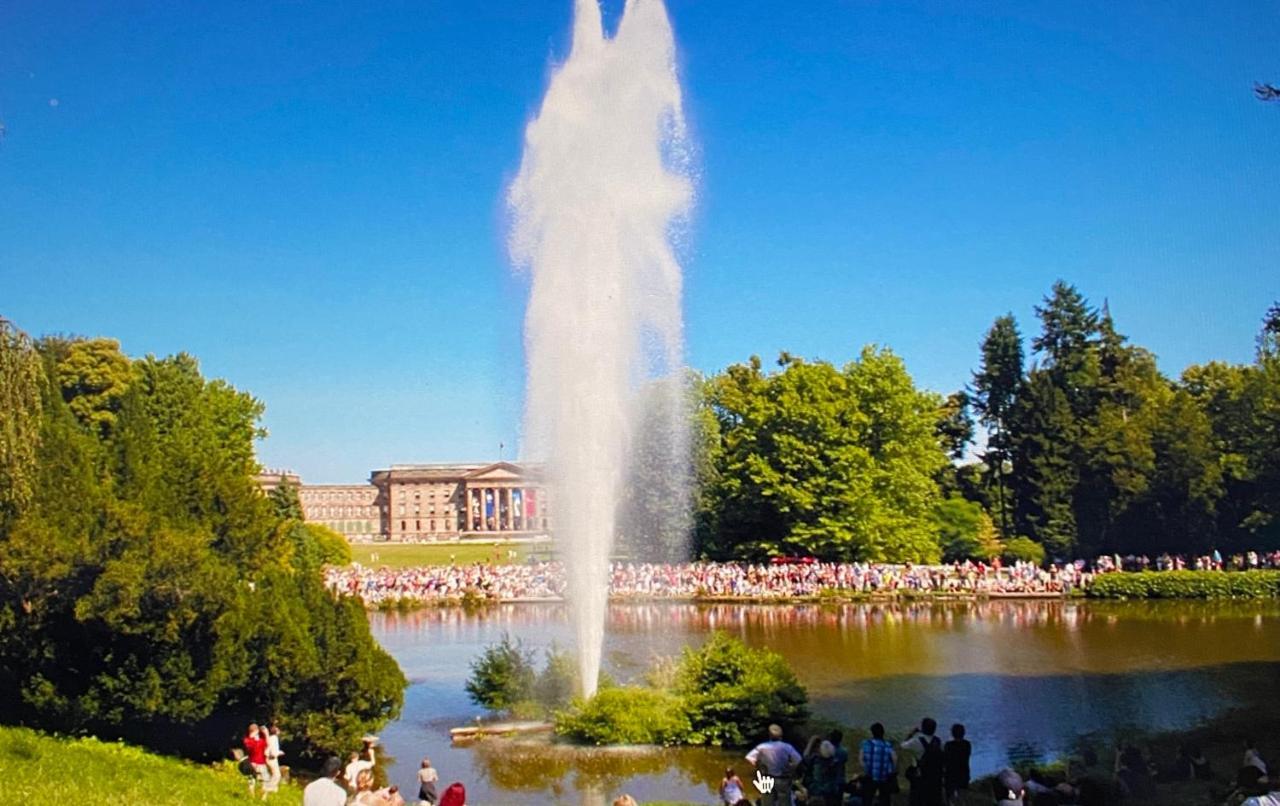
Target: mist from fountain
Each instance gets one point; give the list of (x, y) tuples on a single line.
[(603, 185)]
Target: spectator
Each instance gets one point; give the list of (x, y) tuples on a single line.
[(880, 767), (956, 764), (839, 760), (357, 765), (1252, 759), (1133, 777), (454, 795), (255, 748), (778, 760), (927, 772), (1272, 796), (325, 791), (731, 790), (1008, 788), (273, 754), (427, 778)]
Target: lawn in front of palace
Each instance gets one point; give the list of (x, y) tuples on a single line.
[(411, 555)]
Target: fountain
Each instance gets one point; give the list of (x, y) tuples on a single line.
[(602, 184)]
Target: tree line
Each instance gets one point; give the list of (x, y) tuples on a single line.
[(148, 589), (1081, 447)]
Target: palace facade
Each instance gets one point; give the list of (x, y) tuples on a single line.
[(428, 502)]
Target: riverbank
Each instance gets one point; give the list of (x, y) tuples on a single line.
[(46, 769)]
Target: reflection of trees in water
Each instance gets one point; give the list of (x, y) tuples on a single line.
[(523, 766)]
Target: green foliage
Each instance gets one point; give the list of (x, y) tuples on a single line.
[(1023, 549), (502, 676), (94, 376), (965, 530), (626, 715), (732, 692), (838, 463), (149, 590), (1187, 585), (20, 380), (39, 768), (722, 693), (331, 547), (285, 501), (557, 681)]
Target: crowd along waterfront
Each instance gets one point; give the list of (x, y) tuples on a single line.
[(1030, 679)]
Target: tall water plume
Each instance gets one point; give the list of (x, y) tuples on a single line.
[(602, 184)]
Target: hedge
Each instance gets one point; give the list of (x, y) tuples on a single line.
[(1187, 585)]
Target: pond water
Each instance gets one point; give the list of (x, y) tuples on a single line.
[(1027, 678)]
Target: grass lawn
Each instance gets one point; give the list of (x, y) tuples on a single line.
[(411, 555), (39, 768)]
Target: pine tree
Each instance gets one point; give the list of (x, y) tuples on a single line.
[(995, 391)]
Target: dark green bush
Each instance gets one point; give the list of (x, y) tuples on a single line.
[(626, 715), (502, 676), (1187, 585)]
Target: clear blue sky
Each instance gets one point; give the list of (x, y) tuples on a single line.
[(308, 196)]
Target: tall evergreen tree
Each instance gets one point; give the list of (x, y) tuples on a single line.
[(995, 391), (1044, 433)]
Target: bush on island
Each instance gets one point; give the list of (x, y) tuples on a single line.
[(722, 693), (627, 715)]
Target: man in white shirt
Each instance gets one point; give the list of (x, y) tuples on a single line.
[(777, 760), (325, 791)]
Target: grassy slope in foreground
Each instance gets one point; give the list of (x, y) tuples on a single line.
[(39, 768)]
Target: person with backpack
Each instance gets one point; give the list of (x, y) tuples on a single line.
[(926, 774)]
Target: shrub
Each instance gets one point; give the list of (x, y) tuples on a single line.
[(626, 715), (557, 681), (1023, 549), (732, 692), (502, 676), (1187, 585), (965, 530)]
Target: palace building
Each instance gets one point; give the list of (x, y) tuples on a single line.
[(428, 502)]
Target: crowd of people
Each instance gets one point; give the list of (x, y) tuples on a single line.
[(937, 774), (540, 580), (353, 784)]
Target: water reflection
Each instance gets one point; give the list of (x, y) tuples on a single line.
[(1027, 678)]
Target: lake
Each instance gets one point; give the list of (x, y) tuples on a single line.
[(1027, 678)]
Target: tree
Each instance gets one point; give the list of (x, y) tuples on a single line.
[(838, 463), (1068, 327), (149, 589), (955, 426), (502, 676), (20, 379), (995, 389), (94, 376), (1044, 432), (965, 531), (285, 501)]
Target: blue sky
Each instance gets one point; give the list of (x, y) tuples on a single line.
[(308, 196)]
